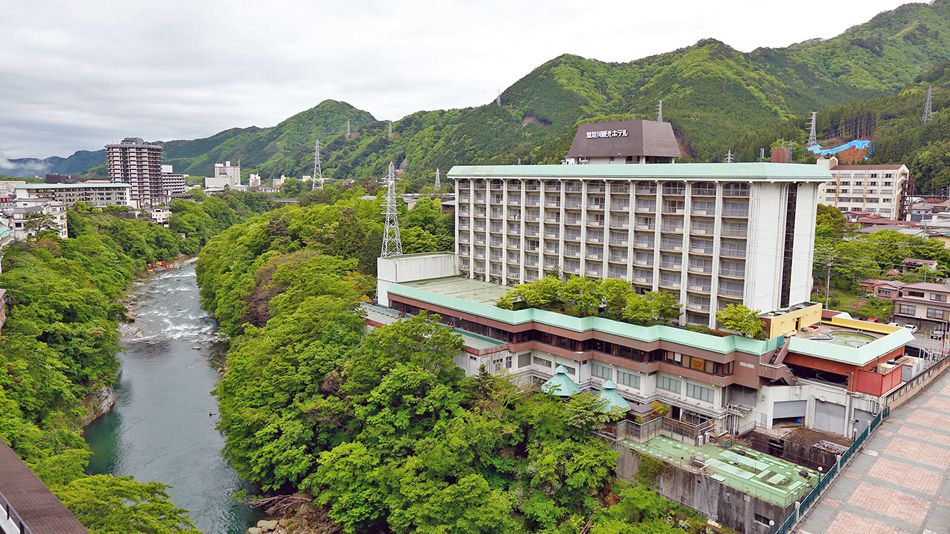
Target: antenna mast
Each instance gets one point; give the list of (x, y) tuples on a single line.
[(392, 244), (317, 182), (928, 111), (659, 112), (812, 135)]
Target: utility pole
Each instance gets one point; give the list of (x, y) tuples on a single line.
[(928, 111), (392, 244), (317, 180), (812, 134), (659, 112)]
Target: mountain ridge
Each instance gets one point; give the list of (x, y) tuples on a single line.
[(714, 95)]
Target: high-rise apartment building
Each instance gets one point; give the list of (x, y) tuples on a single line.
[(876, 189), (139, 164), (714, 234)]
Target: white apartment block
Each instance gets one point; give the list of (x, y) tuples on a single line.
[(29, 216), (96, 193), (877, 189), (714, 233), (173, 183), (227, 174)]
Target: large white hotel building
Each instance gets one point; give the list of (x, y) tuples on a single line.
[(713, 233)]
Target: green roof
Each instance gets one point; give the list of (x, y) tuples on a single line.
[(80, 185), (859, 356), (614, 400), (647, 334), (657, 171), (560, 384)]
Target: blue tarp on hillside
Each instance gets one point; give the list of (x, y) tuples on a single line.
[(859, 144)]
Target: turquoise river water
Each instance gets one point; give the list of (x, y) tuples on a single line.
[(163, 425)]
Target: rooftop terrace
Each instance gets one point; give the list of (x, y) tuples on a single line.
[(766, 477)]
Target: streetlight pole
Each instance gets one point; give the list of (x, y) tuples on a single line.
[(771, 524)]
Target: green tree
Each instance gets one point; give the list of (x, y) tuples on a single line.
[(653, 307), (742, 320)]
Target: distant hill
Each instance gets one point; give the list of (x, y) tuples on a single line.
[(716, 97)]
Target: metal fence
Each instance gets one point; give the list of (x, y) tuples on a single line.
[(9, 517), (812, 496)]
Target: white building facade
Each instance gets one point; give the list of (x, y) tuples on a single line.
[(877, 189), (714, 234), (96, 193)]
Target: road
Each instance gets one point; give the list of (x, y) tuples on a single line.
[(900, 481)]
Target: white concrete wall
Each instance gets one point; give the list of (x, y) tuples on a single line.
[(410, 268), (803, 249), (811, 392), (765, 246)]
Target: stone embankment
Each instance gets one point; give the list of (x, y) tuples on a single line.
[(272, 526), (99, 403)]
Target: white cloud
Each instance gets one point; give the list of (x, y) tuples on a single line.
[(76, 75)]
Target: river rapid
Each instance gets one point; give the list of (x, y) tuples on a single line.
[(162, 427)]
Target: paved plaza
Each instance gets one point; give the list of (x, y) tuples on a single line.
[(900, 481)]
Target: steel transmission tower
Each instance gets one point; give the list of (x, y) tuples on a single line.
[(317, 180), (812, 134), (928, 111), (392, 244), (348, 132), (438, 181), (659, 112), (729, 157)]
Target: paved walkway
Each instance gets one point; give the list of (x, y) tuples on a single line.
[(900, 481)]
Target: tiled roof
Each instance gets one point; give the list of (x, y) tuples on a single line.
[(40, 510), (929, 286)]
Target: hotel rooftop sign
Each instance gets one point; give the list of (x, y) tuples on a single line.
[(606, 133)]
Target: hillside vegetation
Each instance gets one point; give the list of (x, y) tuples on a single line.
[(716, 97)]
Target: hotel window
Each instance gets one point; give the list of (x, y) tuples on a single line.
[(668, 383), (936, 314), (671, 357), (508, 362), (699, 393), (631, 380), (907, 309), (524, 360), (601, 371), (542, 362)]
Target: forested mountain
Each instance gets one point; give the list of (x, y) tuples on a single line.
[(716, 97)]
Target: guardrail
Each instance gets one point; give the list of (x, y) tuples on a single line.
[(10, 520), (812, 496)]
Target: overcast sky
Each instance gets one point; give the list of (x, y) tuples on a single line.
[(79, 74)]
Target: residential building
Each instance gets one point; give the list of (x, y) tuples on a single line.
[(227, 174), (95, 193), (254, 181), (160, 216), (27, 217), (172, 183), (713, 234), (912, 264), (630, 141), (876, 189), (139, 164), (883, 289), (925, 304)]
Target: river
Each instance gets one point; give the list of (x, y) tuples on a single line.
[(162, 427)]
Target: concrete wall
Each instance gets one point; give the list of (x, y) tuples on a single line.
[(410, 268), (764, 246), (804, 245), (716, 501), (811, 392), (785, 323)]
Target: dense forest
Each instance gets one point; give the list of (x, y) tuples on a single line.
[(381, 431), (60, 341), (717, 98)]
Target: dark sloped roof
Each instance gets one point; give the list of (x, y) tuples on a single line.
[(40, 510), (624, 138)]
